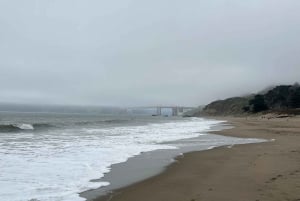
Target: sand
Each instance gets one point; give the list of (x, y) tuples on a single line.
[(253, 172)]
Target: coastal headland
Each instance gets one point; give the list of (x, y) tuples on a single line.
[(267, 171)]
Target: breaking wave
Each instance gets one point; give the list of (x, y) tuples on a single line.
[(21, 127), (18, 127)]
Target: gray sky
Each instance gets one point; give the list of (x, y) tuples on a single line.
[(137, 52)]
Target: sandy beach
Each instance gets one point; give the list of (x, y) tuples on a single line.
[(254, 172)]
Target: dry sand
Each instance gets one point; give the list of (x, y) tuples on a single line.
[(253, 172)]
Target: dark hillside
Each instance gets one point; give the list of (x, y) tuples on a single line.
[(230, 106), (279, 99)]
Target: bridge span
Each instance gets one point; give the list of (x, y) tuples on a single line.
[(176, 110)]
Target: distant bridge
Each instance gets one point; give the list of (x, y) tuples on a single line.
[(176, 110)]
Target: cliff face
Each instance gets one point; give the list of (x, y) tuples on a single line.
[(230, 106), (283, 98)]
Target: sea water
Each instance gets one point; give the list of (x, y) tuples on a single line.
[(54, 157)]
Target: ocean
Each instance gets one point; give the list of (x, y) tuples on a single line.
[(54, 157)]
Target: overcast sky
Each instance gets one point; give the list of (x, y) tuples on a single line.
[(138, 52)]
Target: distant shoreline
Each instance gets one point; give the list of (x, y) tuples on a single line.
[(262, 171)]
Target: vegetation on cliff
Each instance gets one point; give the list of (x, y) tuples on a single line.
[(280, 98), (230, 106)]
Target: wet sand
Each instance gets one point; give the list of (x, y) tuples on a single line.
[(255, 172)]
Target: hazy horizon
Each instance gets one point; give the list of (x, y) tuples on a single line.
[(141, 53), (72, 105)]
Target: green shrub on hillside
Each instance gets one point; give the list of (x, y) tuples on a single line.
[(258, 103)]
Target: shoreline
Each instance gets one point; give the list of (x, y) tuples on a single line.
[(260, 171), (148, 164)]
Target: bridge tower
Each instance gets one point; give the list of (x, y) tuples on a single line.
[(174, 111), (158, 111)]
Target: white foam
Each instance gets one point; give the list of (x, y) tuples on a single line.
[(56, 166), (25, 126)]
